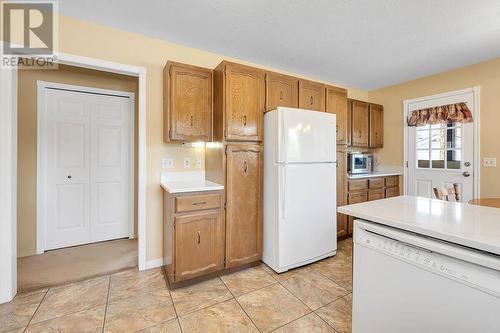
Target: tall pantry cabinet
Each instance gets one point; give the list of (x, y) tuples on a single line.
[(235, 157)]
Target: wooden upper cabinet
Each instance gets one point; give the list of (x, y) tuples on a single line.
[(281, 90), (376, 126), (311, 95), (243, 204), (360, 115), (336, 102), (188, 103), (244, 102), (198, 240)]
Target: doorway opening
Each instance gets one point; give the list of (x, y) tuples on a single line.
[(79, 166), (440, 155)]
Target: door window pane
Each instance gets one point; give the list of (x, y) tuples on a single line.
[(453, 159), (438, 138), (422, 139), (437, 157), (423, 159), (454, 137)]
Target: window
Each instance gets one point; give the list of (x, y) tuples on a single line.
[(439, 146)]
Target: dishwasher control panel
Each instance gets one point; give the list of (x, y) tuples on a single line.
[(478, 276)]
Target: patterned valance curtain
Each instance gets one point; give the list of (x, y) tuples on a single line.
[(452, 113)]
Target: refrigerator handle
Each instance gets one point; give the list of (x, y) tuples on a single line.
[(283, 137)]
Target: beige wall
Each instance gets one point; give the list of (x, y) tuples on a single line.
[(96, 41), (486, 75), (27, 137)]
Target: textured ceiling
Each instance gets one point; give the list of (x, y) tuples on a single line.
[(365, 44)]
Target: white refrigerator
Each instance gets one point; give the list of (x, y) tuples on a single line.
[(300, 220)]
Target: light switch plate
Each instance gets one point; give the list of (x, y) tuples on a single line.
[(198, 163), (490, 162), (187, 162), (168, 163)]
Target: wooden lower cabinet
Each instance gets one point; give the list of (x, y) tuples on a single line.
[(193, 234), (197, 245), (368, 189), (243, 204)]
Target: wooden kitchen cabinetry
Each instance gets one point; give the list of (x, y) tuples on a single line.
[(187, 103), (193, 235), (360, 124), (311, 95), (376, 126), (341, 191), (368, 189), (242, 97), (336, 102), (281, 90), (243, 204)]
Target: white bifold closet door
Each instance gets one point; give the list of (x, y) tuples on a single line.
[(87, 168)]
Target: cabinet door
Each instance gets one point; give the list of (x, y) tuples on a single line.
[(243, 204), (376, 194), (355, 197), (244, 103), (359, 124), (341, 192), (281, 90), (376, 126), (391, 192), (311, 96), (189, 103), (349, 122), (198, 245), (336, 102)]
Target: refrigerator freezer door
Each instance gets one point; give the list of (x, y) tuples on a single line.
[(306, 136), (307, 218)]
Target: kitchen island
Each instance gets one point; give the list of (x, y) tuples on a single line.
[(425, 265)]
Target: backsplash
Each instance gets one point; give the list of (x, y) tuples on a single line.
[(184, 158)]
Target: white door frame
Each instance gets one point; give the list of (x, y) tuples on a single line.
[(41, 145), (8, 164), (476, 97)]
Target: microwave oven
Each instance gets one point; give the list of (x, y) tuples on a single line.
[(359, 163)]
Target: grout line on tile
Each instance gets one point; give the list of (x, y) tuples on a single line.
[(248, 316), (296, 297), (277, 328), (34, 313), (106, 306)]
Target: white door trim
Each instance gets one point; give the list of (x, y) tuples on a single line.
[(476, 94), (41, 145), (8, 163)]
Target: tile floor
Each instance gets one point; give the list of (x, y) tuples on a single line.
[(314, 298)]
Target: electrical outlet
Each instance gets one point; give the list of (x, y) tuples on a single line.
[(187, 162), (490, 162), (168, 163), (198, 163)]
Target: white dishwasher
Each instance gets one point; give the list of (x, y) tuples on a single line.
[(408, 283)]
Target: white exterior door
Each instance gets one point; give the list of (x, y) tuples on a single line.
[(85, 164), (443, 154)]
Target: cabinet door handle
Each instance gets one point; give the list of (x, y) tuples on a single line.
[(281, 95), (199, 237), (312, 100), (359, 134), (198, 203), (244, 120), (192, 120), (245, 166)]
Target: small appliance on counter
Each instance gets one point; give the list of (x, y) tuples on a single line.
[(359, 163)]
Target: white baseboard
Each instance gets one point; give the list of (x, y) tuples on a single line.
[(154, 263)]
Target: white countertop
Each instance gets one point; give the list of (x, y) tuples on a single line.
[(473, 226), (191, 186), (192, 181), (382, 171)]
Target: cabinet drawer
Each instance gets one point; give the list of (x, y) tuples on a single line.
[(376, 194), (391, 192), (392, 181), (357, 197), (197, 202), (354, 185), (376, 183)]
